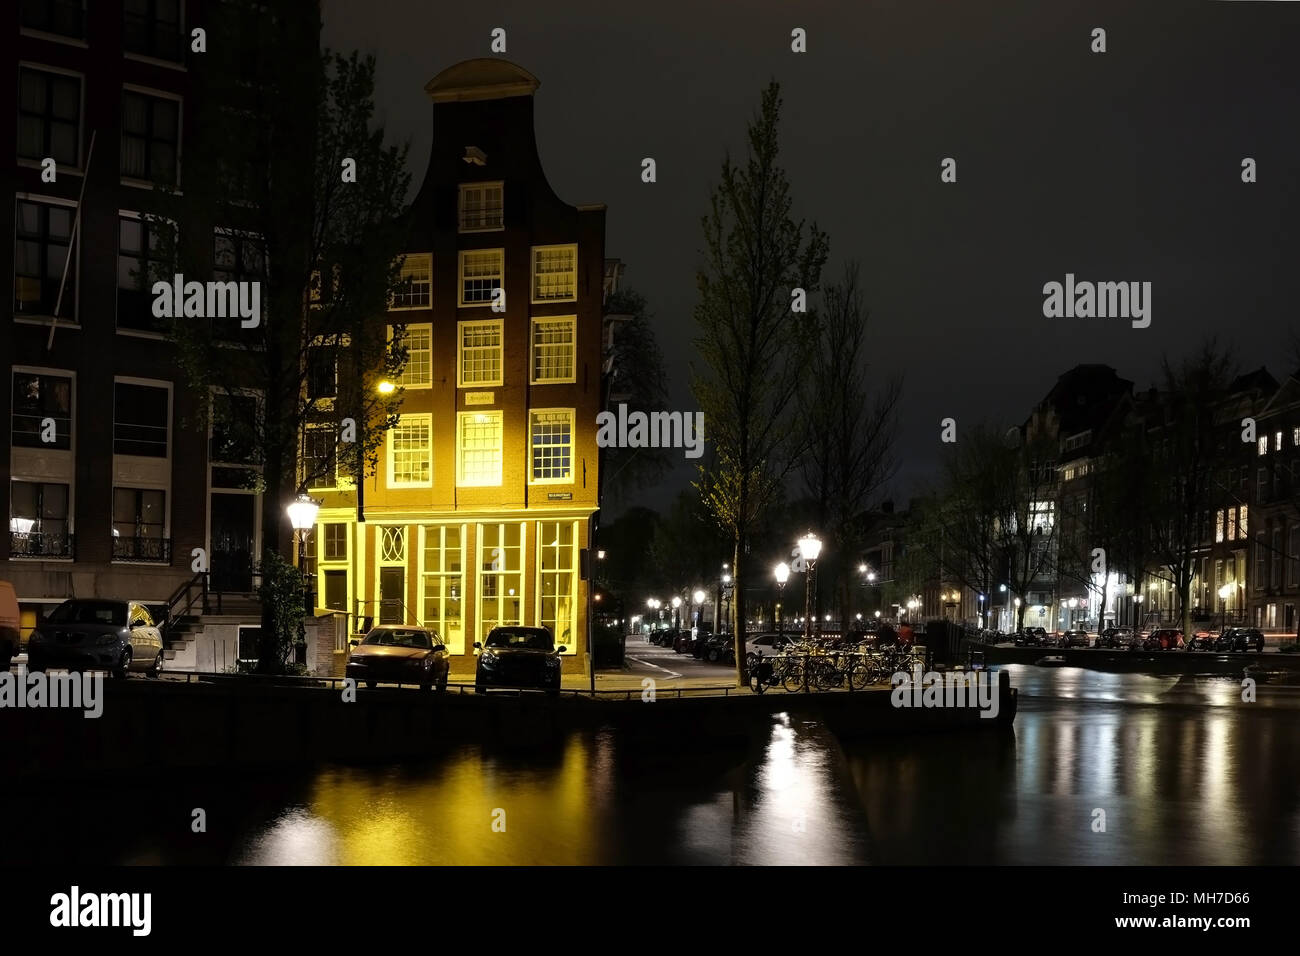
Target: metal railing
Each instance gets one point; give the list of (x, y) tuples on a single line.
[(40, 544), (153, 550)]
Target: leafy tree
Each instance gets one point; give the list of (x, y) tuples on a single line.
[(755, 348)]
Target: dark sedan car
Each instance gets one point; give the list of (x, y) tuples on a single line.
[(407, 655), (518, 657), (1241, 639), (1073, 639)]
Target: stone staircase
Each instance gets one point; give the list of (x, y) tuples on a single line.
[(181, 652)]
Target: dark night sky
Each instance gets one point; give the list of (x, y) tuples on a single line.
[(1122, 166)]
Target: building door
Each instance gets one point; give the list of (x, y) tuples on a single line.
[(392, 595), (231, 561)]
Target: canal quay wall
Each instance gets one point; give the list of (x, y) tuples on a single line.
[(225, 722)]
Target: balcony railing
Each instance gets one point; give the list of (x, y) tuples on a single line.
[(157, 550), (40, 544)]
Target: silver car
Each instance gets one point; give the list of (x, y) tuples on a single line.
[(86, 633)]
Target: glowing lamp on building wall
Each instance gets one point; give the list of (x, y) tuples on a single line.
[(1225, 592)]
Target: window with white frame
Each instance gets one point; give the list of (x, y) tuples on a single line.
[(141, 419), (482, 207), (478, 449), (500, 576), (320, 455), (554, 349), (418, 342), (144, 256), (38, 396), (555, 273), (416, 283), (550, 432), (410, 452), (49, 116), (557, 580), (154, 28), (334, 541), (482, 272), (481, 345), (444, 584)]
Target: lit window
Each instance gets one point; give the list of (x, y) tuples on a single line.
[(418, 342), (1241, 523), (482, 272), (1263, 444), (1295, 437), (555, 273), (410, 447), (38, 520), (551, 441), (480, 353), (415, 290), (557, 584), (1232, 524), (478, 449), (1277, 442), (554, 349), (444, 584), (481, 207), (49, 116), (500, 576)]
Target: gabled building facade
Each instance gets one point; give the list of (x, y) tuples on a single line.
[(482, 507)]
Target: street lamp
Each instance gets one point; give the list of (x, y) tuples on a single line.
[(782, 572), (302, 513), (1225, 592), (810, 547)]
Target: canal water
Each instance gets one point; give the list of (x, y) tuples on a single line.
[(1100, 769)]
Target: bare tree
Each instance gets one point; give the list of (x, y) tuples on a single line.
[(851, 424), (754, 346)]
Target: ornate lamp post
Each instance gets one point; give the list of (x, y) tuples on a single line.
[(810, 547), (302, 513), (782, 573)]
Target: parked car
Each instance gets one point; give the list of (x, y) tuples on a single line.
[(667, 637), (1073, 639), (118, 636), (409, 655), (1029, 637), (765, 644), (8, 625), (517, 656), (716, 647), (1202, 641), (1116, 637), (1240, 639), (1163, 639)]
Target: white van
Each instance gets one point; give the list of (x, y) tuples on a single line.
[(8, 625)]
